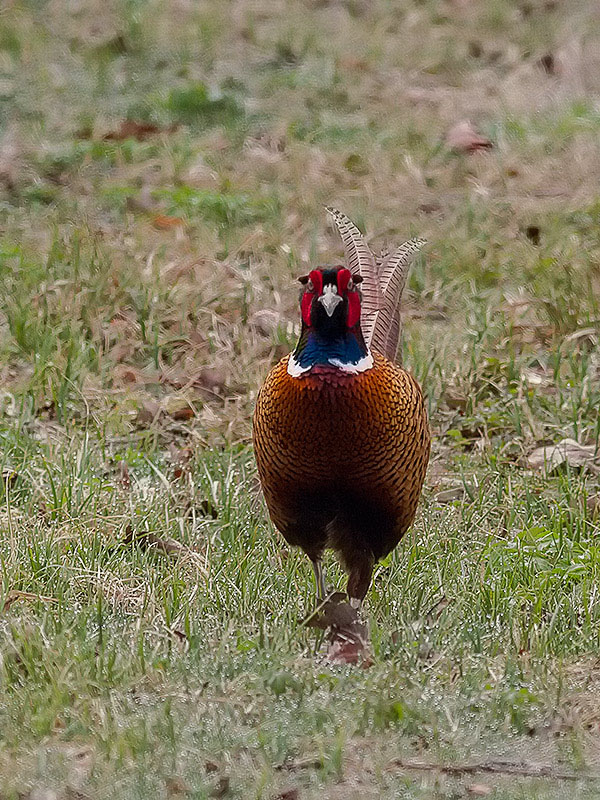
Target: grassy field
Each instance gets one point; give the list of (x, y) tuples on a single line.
[(163, 171)]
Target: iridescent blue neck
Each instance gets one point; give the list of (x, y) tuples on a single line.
[(348, 352)]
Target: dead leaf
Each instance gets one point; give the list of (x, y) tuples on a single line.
[(178, 408), (352, 651), (450, 495), (207, 509), (140, 131), (479, 789), (593, 504), (455, 399), (176, 786), (147, 540), (312, 762), (11, 160), (535, 378), (149, 411), (165, 223), (143, 201), (41, 793), (335, 611), (72, 793), (547, 63), (587, 334), (348, 636), (125, 373), (212, 380), (463, 138), (222, 787), (353, 63), (266, 321), (436, 610), (123, 475), (349, 644), (180, 637), (430, 208), (567, 452), (180, 458)]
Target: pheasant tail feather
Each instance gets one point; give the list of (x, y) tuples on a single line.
[(392, 280), (360, 260), (384, 279)]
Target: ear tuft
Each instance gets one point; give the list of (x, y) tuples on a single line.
[(357, 278), (303, 279)]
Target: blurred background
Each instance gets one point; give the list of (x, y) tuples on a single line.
[(163, 171), (164, 166)]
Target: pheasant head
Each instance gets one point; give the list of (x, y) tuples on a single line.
[(331, 336)]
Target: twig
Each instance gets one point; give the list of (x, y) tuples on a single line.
[(522, 769), (15, 594), (312, 762)]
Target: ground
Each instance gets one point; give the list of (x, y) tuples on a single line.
[(163, 172)]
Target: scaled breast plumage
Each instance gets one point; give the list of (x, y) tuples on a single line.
[(329, 427)]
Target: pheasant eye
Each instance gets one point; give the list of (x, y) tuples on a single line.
[(350, 285), (310, 286)]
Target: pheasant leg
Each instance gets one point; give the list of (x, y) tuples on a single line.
[(317, 566)]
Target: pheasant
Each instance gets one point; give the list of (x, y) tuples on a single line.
[(340, 432)]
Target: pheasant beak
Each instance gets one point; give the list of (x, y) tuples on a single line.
[(330, 299)]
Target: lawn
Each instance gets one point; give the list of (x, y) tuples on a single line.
[(163, 172)]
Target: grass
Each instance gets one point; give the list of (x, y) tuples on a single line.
[(147, 285)]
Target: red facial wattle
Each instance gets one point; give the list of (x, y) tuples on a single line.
[(316, 279), (353, 309), (344, 277)]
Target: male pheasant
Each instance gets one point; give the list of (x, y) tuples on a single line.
[(340, 431)]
